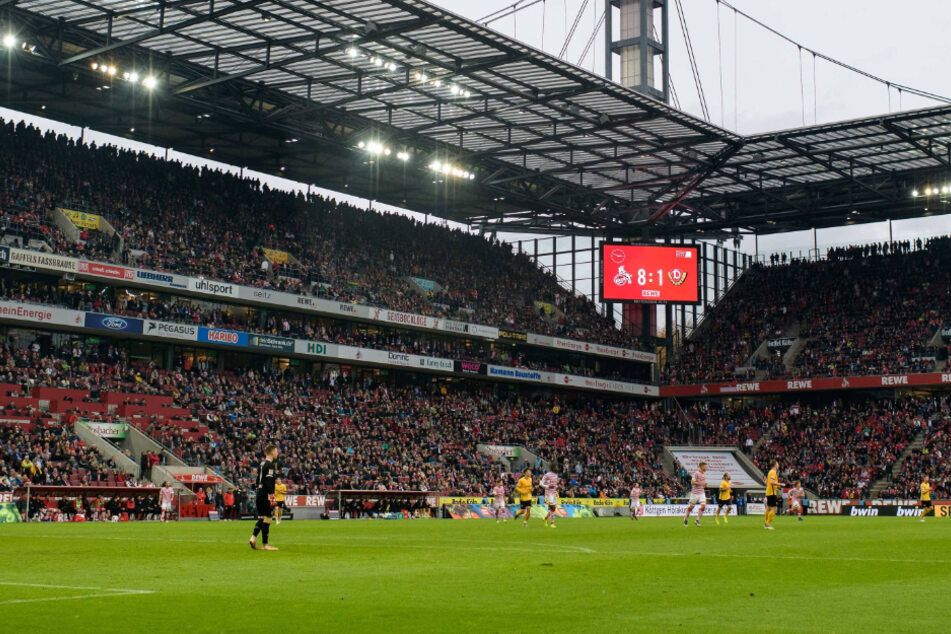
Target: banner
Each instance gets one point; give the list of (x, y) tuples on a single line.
[(202, 478), (404, 319), (401, 359), (516, 374), (487, 511), (271, 342), (678, 510), (881, 511), (38, 314), (547, 307), (52, 262), (316, 348), (106, 270), (154, 278), (201, 285), (276, 256), (502, 451), (9, 514), (584, 347), (185, 332), (107, 430), (113, 323), (942, 509), (718, 463), (487, 332), (428, 286), (825, 507), (16, 420), (597, 502), (40, 260), (344, 309), (224, 337), (604, 385), (805, 385), (781, 343), (946, 332), (297, 501), (82, 219), (469, 367)]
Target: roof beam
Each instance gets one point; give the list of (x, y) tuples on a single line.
[(162, 30)]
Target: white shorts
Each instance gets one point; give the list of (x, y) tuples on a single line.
[(697, 499), (551, 500), (499, 504), (167, 507), (795, 504), (634, 505)]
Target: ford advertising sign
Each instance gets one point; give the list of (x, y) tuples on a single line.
[(114, 323)]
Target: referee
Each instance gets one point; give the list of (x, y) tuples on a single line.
[(264, 498)]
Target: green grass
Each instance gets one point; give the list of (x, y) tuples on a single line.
[(827, 574)]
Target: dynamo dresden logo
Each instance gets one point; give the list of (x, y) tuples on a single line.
[(677, 277), (617, 255)]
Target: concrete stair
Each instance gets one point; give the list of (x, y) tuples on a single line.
[(765, 437), (883, 483), (526, 457)]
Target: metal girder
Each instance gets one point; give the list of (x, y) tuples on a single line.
[(162, 30), (604, 154), (902, 133)]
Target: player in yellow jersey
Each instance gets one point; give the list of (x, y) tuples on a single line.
[(280, 491), (772, 494), (723, 500), (925, 497), (524, 490)]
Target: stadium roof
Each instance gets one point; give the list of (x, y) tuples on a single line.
[(296, 87)]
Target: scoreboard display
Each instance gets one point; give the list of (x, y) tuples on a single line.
[(650, 273)]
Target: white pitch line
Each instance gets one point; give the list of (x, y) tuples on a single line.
[(796, 558), (104, 592), (349, 539), (47, 585)]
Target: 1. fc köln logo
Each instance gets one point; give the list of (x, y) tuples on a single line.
[(677, 277)]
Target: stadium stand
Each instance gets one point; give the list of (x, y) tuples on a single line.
[(840, 450), (863, 310), (932, 458), (356, 433), (201, 222), (111, 301)]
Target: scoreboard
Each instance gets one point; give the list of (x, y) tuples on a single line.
[(650, 273)]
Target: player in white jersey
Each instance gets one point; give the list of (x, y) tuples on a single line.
[(698, 496), (550, 482), (795, 499), (635, 500), (498, 492), (166, 493)]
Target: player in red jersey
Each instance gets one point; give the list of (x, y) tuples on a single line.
[(498, 504), (550, 482), (635, 500), (698, 496), (795, 499), (166, 493)]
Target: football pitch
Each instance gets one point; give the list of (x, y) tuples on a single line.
[(827, 574)]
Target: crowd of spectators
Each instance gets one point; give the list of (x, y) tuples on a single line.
[(182, 219), (841, 449), (51, 455), (932, 459), (345, 431), (864, 310), (109, 300)]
